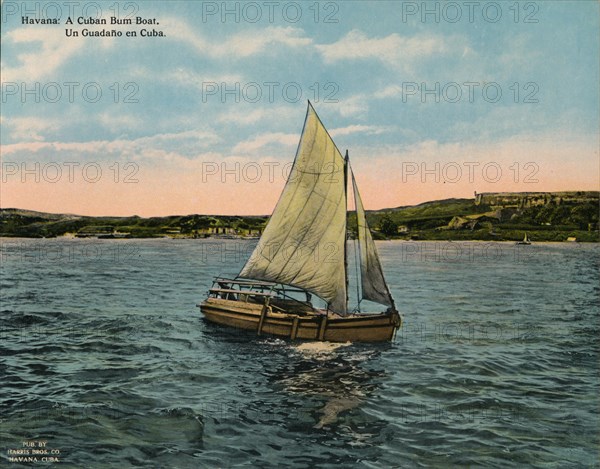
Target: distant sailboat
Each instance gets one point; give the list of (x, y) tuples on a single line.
[(302, 252), (525, 241)]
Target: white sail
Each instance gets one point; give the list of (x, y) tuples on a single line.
[(304, 242), (373, 283)]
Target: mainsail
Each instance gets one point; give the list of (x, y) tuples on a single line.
[(303, 244), (373, 283)]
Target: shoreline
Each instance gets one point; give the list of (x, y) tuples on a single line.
[(71, 236), (497, 217)]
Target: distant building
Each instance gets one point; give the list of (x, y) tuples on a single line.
[(522, 200)]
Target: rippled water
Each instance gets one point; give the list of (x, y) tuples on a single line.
[(105, 357)]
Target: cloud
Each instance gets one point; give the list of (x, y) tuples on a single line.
[(518, 53), (243, 44), (47, 50), (364, 129), (119, 123), (260, 141), (29, 128), (253, 42), (248, 115), (190, 78), (392, 49), (291, 140), (242, 118), (388, 92), (52, 50), (180, 146), (353, 106)]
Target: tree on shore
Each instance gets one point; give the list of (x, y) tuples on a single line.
[(388, 227)]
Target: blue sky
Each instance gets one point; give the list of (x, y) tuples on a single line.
[(373, 60)]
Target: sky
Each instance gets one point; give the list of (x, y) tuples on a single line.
[(201, 111)]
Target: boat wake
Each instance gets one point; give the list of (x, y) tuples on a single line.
[(334, 407), (319, 349)]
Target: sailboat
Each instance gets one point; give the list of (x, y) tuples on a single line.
[(525, 241), (302, 253)]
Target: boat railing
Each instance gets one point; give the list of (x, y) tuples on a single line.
[(247, 292), (260, 283), (244, 282), (257, 288)]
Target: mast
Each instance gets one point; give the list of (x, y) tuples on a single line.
[(359, 264), (345, 225), (374, 286)]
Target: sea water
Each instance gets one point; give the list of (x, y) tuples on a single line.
[(107, 362)]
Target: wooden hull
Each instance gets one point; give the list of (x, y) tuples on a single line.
[(256, 317)]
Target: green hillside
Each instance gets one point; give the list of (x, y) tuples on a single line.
[(545, 216), (28, 224), (551, 216)]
